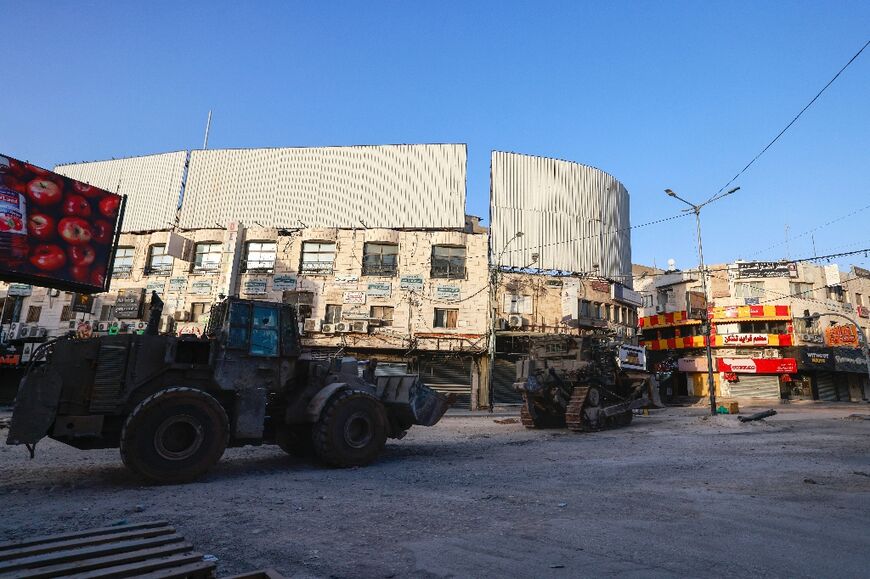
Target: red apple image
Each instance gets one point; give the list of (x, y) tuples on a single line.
[(76, 205), (44, 192), (81, 254), (41, 226), (80, 273), (75, 230), (109, 205), (98, 277), (86, 190), (36, 170), (102, 231), (7, 224), (47, 257), (12, 167), (14, 183)]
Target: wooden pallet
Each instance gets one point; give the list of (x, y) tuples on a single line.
[(147, 550)]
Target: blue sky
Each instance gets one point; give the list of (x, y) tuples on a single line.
[(659, 94)]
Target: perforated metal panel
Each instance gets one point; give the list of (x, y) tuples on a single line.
[(152, 184), (574, 217), (372, 186)]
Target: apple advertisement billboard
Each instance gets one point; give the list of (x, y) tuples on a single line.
[(55, 231)]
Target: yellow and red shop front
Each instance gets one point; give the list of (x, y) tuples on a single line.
[(754, 377)]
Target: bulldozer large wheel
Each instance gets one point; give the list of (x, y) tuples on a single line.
[(352, 429), (175, 435), (295, 440)]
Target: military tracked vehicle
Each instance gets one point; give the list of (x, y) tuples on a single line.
[(584, 383), (173, 404)]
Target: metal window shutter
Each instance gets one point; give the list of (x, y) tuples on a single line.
[(756, 386), (448, 375), (503, 377), (826, 383)]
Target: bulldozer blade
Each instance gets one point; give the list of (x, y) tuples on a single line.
[(35, 406), (427, 405)]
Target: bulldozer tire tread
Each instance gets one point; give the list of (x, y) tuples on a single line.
[(336, 440), (532, 419), (198, 413)]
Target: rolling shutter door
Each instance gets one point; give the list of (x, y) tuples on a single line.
[(448, 375), (503, 377), (827, 385), (756, 386)]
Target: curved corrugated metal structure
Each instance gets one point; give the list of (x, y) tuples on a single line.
[(390, 186), (574, 217), (152, 184)]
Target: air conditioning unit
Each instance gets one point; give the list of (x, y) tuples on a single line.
[(327, 328), (181, 316), (312, 325), (360, 327), (343, 327), (516, 321)]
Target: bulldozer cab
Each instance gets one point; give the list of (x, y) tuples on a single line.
[(254, 328)]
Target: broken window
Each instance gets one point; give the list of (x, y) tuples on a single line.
[(380, 259), (317, 257), (445, 318), (448, 261)]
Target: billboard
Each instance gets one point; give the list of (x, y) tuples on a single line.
[(55, 232)]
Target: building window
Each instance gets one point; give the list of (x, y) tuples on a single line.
[(123, 263), (836, 292), (301, 301), (448, 261), (749, 290), (607, 313), (198, 310), (317, 257), (159, 262), (445, 318), (647, 300), (33, 313), (260, 256), (596, 310), (585, 308), (382, 313), (66, 314), (207, 256), (333, 314), (859, 299), (107, 312), (380, 259)]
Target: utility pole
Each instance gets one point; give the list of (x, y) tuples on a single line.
[(493, 312), (696, 209)]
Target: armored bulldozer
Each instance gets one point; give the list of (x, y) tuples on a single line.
[(585, 383), (173, 404)]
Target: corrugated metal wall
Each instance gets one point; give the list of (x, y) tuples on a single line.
[(152, 184), (380, 186), (573, 216)]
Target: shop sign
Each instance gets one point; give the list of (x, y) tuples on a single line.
[(411, 282), (354, 297), (632, 357), (19, 289), (201, 288), (841, 336), (346, 280), (692, 364), (191, 329), (379, 289), (744, 339), (847, 360), (177, 284), (447, 293), (833, 359), (817, 359), (128, 305), (624, 295), (862, 311), (155, 286), (758, 365), (284, 282), (254, 287), (82, 303), (756, 269)]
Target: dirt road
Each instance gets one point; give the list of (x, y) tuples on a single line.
[(675, 494)]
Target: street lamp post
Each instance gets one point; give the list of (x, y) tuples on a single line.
[(696, 209), (493, 311)]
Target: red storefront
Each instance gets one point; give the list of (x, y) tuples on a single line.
[(755, 377)]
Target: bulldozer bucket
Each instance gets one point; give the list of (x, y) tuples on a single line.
[(35, 406), (426, 405)]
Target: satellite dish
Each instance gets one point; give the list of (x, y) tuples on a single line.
[(672, 264)]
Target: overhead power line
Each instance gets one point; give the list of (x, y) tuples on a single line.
[(794, 120)]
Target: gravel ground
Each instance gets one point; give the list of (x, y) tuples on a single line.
[(677, 493)]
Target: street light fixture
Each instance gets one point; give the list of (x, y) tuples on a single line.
[(696, 209), (493, 311)]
